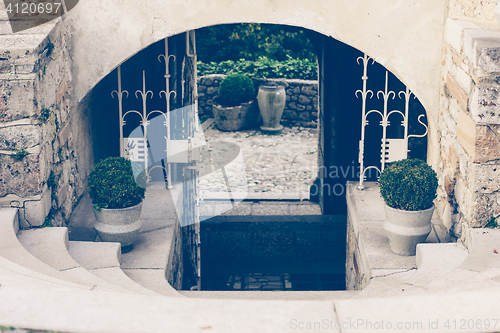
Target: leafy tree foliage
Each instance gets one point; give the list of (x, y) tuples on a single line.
[(252, 40), (263, 67)]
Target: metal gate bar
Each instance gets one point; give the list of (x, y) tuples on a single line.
[(391, 149)]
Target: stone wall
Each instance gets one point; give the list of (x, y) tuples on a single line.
[(357, 268), (478, 11), (301, 107), (469, 124), (38, 119)]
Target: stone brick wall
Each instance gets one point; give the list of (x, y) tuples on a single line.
[(470, 126), (301, 107), (477, 11), (38, 118)]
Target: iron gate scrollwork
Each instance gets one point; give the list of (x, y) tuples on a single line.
[(181, 133), (392, 149)]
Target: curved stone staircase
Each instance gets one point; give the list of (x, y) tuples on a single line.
[(50, 283)]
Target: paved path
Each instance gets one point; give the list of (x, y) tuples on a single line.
[(283, 165)]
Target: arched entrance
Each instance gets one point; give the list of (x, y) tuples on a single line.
[(339, 118)]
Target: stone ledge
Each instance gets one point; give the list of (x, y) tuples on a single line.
[(19, 122), (454, 30), (480, 46), (367, 242)]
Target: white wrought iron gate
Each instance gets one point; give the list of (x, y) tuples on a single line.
[(392, 149), (181, 133)]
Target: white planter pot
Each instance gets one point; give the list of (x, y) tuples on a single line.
[(405, 229), (118, 225)]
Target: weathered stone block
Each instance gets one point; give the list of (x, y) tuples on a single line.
[(309, 90), (481, 142), (19, 137), (466, 133), (288, 114), (454, 32), (64, 134), (207, 80), (482, 211), (457, 92), (486, 177), (485, 105), (35, 212), (212, 91), (304, 100), (24, 66), (21, 106), (475, 40), (464, 80), (20, 177), (454, 158), (304, 115), (301, 107), (5, 66), (488, 54), (487, 144)]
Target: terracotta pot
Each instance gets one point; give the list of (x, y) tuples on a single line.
[(236, 118)]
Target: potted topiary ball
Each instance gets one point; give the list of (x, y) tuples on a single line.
[(117, 200), (409, 188), (235, 107)]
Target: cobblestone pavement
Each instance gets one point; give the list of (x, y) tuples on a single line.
[(284, 164)]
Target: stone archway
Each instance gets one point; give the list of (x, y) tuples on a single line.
[(411, 52), (95, 37)]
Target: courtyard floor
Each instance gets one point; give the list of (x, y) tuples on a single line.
[(280, 166)]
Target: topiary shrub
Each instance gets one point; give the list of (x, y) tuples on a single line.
[(235, 89), (112, 184), (409, 184)]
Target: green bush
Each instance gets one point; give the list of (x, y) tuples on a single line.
[(236, 89), (112, 184), (408, 184), (263, 67)]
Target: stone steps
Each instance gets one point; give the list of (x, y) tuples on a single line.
[(18, 259), (56, 304), (50, 246), (82, 311), (272, 295), (103, 260), (436, 260), (10, 270)]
